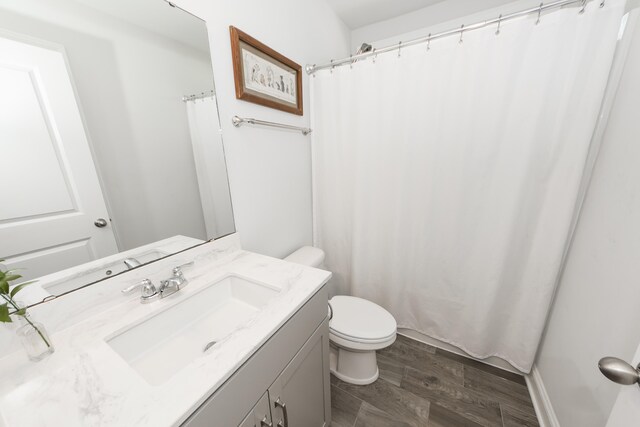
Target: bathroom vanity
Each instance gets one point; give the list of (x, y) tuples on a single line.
[(288, 377), (244, 343)]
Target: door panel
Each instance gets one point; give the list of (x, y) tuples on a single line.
[(29, 141), (626, 409), (49, 186), (303, 386), (260, 415), (45, 260)]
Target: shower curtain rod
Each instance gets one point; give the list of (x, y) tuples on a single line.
[(209, 94), (310, 69)]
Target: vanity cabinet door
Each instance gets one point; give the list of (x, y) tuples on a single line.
[(260, 415), (300, 396)]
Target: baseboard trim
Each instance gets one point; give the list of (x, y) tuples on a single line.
[(541, 402)]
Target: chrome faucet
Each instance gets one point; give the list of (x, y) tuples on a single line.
[(132, 263), (175, 282), (149, 292)]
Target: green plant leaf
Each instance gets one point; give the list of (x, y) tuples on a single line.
[(12, 277), (5, 273), (4, 314), (4, 287), (16, 289)]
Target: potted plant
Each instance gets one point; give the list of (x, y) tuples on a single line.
[(32, 334)]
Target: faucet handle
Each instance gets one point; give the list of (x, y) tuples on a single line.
[(178, 270), (148, 290)]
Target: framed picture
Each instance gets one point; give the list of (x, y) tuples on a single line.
[(264, 76)]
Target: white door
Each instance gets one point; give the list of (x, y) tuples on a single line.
[(50, 196), (626, 409)]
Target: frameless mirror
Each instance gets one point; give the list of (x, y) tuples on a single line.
[(111, 146)]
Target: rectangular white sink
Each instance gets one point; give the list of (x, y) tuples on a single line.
[(160, 346)]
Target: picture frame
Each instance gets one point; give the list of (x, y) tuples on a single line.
[(264, 76)]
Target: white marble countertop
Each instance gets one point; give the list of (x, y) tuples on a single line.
[(86, 383), (79, 275)]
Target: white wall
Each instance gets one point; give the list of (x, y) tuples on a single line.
[(438, 17), (129, 82), (596, 309), (270, 170)]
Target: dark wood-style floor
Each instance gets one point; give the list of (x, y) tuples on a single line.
[(420, 385)]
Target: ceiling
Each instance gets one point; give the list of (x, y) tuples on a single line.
[(158, 17), (154, 16), (358, 13)]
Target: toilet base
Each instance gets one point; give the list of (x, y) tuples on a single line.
[(353, 367)]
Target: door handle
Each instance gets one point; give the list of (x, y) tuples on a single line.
[(280, 404), (619, 371), (100, 222)]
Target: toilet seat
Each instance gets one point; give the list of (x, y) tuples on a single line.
[(360, 346), (361, 340), (361, 324)]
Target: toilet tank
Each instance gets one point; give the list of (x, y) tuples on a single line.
[(307, 255)]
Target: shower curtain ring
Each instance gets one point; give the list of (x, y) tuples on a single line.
[(584, 6), (351, 62), (375, 55), (429, 42), (499, 22), (399, 48), (602, 4), (461, 33), (332, 67), (539, 13)]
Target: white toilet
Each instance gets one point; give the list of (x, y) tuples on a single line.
[(356, 330)]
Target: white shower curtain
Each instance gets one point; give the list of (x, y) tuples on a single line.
[(211, 168), (445, 180)]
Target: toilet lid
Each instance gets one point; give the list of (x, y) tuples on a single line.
[(360, 320)]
